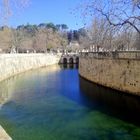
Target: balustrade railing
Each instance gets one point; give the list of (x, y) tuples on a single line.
[(114, 54)]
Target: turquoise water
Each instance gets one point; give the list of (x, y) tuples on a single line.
[(55, 104)]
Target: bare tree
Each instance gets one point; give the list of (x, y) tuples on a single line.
[(117, 12), (100, 33), (7, 7), (137, 41), (16, 39)]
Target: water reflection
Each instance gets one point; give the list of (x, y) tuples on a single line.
[(112, 102), (69, 66), (6, 88), (48, 104), (17, 83)]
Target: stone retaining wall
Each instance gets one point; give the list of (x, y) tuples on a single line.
[(115, 72), (12, 64)]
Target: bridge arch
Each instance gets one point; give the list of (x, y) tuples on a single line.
[(71, 60), (65, 61)]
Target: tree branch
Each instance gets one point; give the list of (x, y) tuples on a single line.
[(127, 21)]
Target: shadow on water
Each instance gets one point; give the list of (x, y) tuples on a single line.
[(69, 66), (114, 103)]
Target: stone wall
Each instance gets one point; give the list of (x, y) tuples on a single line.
[(12, 64), (115, 72)]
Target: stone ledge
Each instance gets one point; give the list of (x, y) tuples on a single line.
[(4, 135)]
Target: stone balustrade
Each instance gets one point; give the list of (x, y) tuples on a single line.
[(114, 54)]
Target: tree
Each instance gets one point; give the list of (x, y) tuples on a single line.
[(70, 36), (61, 27), (42, 25), (82, 32), (5, 41), (58, 26), (99, 33), (137, 41), (51, 26), (20, 27), (7, 7), (30, 29), (16, 40), (116, 24), (76, 35), (64, 26), (117, 12)]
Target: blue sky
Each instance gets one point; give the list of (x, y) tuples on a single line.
[(43, 11)]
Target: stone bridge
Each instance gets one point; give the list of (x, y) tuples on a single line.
[(69, 58)]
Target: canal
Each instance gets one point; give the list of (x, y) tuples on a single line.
[(54, 103)]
